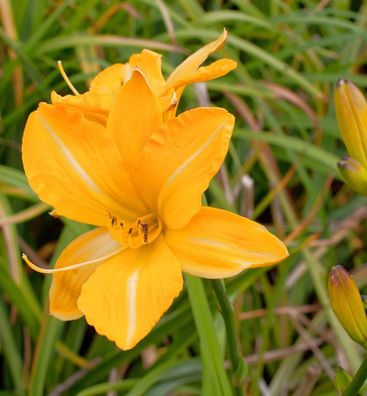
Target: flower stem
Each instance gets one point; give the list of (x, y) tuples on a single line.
[(239, 367), (358, 380)]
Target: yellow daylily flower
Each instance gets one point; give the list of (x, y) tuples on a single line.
[(347, 304), (139, 180), (98, 100), (351, 113)]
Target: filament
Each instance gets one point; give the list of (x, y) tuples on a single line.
[(66, 78), (69, 267)]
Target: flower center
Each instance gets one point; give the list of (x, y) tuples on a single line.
[(144, 231)]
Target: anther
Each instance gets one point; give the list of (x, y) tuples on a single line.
[(144, 226), (144, 231)]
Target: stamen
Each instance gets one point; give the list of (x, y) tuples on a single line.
[(114, 221), (144, 231), (66, 78), (144, 226), (69, 267)]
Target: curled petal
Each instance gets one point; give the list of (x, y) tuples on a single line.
[(149, 63), (189, 65), (188, 71), (125, 297), (215, 70), (219, 244)]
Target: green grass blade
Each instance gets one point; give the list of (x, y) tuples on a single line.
[(11, 351), (214, 375)]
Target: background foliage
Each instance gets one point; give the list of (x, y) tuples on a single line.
[(281, 171)]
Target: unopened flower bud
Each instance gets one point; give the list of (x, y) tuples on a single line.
[(354, 174), (351, 113), (347, 305)]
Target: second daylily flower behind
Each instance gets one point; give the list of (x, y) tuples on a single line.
[(104, 87), (139, 180)]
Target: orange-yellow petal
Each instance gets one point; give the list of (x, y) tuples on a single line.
[(97, 102), (219, 244), (66, 286), (215, 70), (89, 103), (189, 65), (179, 160), (135, 115), (168, 102), (150, 64), (109, 80), (189, 71), (74, 166), (125, 297)]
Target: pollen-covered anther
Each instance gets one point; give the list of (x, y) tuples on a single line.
[(117, 228), (144, 231), (114, 221)]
